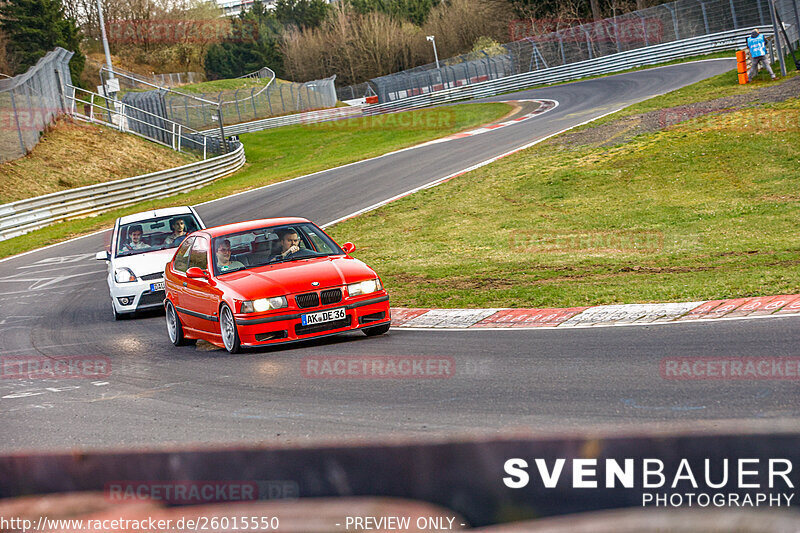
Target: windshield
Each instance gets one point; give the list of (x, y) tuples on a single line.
[(156, 233), (273, 244)]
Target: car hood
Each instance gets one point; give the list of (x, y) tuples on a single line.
[(145, 263), (297, 276)]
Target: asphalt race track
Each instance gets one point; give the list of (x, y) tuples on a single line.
[(55, 303)]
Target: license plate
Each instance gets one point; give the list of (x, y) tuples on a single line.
[(157, 286), (323, 316)]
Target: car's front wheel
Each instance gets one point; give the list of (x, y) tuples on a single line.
[(376, 330), (227, 327), (174, 327), (117, 316)]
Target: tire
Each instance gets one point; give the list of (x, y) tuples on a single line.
[(228, 330), (376, 330), (117, 316), (174, 326)]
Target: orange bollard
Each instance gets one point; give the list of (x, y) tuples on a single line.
[(743, 79), (740, 56)]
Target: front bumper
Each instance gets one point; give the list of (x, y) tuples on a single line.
[(286, 327), (140, 295)]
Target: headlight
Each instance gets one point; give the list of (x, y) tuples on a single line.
[(124, 275), (364, 287), (264, 304)]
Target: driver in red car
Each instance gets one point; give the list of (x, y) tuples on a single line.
[(289, 241)]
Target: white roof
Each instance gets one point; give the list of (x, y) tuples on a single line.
[(154, 213)]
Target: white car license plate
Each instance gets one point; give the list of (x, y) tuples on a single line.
[(323, 316), (157, 286)]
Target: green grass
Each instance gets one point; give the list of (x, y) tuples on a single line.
[(282, 153), (713, 203), (719, 86), (224, 85)]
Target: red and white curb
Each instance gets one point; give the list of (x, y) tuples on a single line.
[(545, 105), (601, 315)]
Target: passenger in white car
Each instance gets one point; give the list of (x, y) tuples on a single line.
[(135, 241)]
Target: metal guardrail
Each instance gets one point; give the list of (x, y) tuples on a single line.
[(310, 117), (18, 218), (639, 57)]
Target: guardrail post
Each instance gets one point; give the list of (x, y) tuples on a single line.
[(16, 118), (705, 17), (588, 42), (60, 88), (675, 19), (205, 145), (179, 137)]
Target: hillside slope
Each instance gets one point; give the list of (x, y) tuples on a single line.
[(73, 154)]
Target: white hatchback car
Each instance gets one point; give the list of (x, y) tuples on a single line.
[(141, 246)]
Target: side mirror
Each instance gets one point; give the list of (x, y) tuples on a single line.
[(102, 256), (197, 273), (349, 247)]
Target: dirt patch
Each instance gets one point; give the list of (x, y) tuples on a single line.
[(623, 130)]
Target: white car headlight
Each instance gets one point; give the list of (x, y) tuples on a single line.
[(364, 287), (264, 304), (124, 275)]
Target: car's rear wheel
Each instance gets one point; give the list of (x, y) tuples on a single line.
[(174, 327), (227, 327), (376, 330)]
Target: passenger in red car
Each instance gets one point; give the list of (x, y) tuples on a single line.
[(224, 263)]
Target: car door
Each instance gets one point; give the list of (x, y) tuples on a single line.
[(199, 297), (175, 278)]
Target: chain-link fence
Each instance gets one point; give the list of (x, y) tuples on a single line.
[(266, 97), (252, 103), (29, 102), (542, 48)]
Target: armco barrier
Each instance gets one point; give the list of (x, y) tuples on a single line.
[(639, 57), (20, 217), (464, 475), (310, 117)]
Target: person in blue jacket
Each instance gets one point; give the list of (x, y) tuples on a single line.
[(758, 53)]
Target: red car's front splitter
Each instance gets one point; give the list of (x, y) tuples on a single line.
[(275, 329)]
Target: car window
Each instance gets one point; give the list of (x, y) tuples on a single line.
[(155, 233), (321, 244), (198, 257), (182, 256), (263, 245)]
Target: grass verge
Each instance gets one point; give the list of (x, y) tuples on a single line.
[(719, 86), (704, 210), (282, 153)]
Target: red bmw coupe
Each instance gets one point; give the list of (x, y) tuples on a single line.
[(267, 282)]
